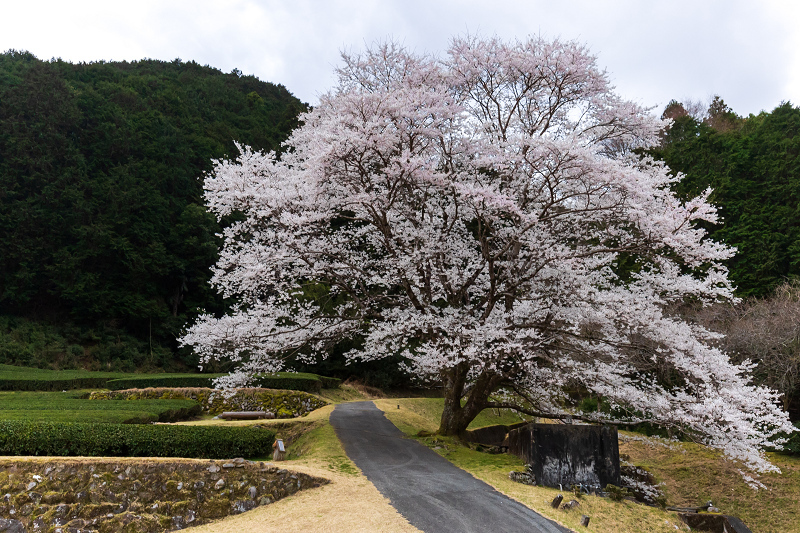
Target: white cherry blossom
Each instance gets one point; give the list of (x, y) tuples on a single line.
[(488, 216)]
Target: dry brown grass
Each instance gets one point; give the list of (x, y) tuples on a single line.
[(606, 515), (349, 503), (693, 474), (369, 393)]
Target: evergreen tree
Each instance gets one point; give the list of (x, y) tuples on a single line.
[(753, 167), (101, 215)]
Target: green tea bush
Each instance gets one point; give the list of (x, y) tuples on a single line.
[(162, 380), (51, 384), (284, 403), (18, 378), (297, 381), (69, 407), (122, 440), (87, 417), (281, 380), (290, 381)]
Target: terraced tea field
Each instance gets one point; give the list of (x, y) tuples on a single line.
[(72, 407)]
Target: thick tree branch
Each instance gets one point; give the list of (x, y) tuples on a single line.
[(561, 416)]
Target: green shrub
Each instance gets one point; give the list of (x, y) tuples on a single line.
[(75, 350), (330, 383), (51, 384), (290, 381), (301, 381), (105, 346), (121, 440), (58, 416), (617, 493)]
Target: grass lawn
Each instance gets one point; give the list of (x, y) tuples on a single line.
[(316, 450), (69, 407), (691, 474), (423, 414)]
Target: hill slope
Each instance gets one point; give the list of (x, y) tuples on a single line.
[(101, 215)]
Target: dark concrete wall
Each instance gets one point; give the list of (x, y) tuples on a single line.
[(568, 454), (491, 435)]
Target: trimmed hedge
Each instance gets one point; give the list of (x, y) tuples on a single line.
[(133, 415), (122, 440), (162, 380), (290, 381), (20, 378), (330, 383), (297, 381), (282, 380), (65, 407), (52, 384), (16, 378), (284, 403)]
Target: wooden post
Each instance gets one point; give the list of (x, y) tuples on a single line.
[(279, 450), (557, 501)]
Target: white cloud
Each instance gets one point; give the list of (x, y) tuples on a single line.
[(654, 51)]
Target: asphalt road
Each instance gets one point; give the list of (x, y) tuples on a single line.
[(425, 488)]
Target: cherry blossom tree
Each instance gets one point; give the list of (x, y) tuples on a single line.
[(488, 216)]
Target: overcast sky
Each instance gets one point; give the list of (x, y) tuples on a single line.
[(654, 50)]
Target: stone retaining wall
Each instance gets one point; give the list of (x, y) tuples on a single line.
[(491, 435), (568, 454), (135, 496)]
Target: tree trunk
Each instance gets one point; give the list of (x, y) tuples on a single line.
[(456, 417)]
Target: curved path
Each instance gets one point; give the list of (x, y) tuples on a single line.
[(431, 493)]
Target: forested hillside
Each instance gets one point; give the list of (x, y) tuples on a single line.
[(753, 166), (102, 224)]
